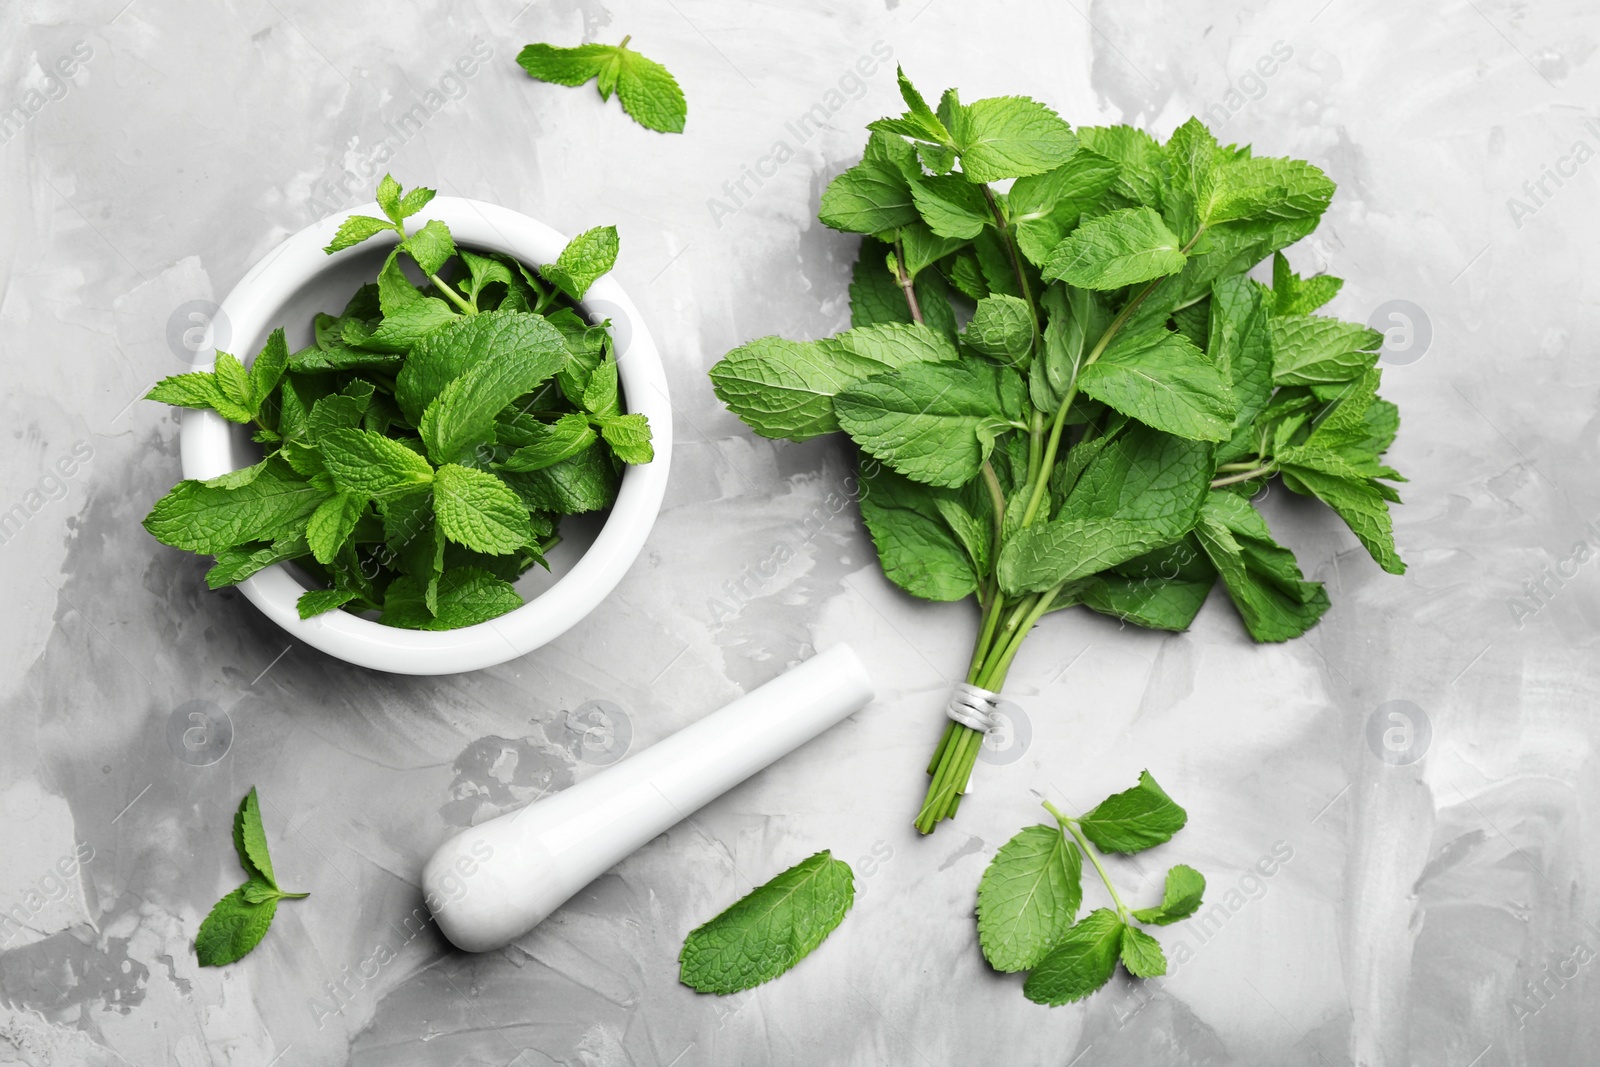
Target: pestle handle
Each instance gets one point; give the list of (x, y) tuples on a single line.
[(493, 882)]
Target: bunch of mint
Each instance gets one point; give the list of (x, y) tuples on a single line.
[(1067, 391), (419, 454)]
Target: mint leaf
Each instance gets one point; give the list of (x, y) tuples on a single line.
[(1262, 578), (430, 246), (1076, 319), (388, 197), (250, 839), (1312, 349), (369, 464), (1163, 381), (198, 389), (550, 443), (581, 483), (1135, 819), (523, 341), (1009, 137), (1294, 295), (463, 414), (647, 90), (234, 565), (1239, 344), (1080, 963), (209, 519), (629, 438), (601, 396), (1002, 329), (476, 509), (919, 120), (239, 920), (317, 601), (356, 229), (951, 206), (1141, 164), (1028, 897), (267, 369), (873, 196), (332, 523), (933, 422), (1359, 501), (583, 261), (786, 388), (1181, 898), (1141, 954), (465, 596), (1156, 603), (1045, 207), (1117, 249), (1261, 188), (233, 928), (1141, 490), (917, 549), (769, 930)]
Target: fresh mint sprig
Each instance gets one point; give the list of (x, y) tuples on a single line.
[(647, 90), (1029, 896), (420, 452), (1066, 392), (239, 921)]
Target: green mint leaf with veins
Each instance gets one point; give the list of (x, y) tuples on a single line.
[(1239, 343), (1294, 295), (1141, 954), (1140, 490), (933, 422), (647, 90), (1080, 963), (465, 596), (1262, 578), (239, 920), (1007, 137), (483, 272), (1360, 501), (1156, 600), (768, 931), (521, 340), (199, 389), (601, 396), (413, 202), (1182, 898), (584, 259), (1002, 329), (1075, 320), (1163, 381), (357, 228), (1314, 349), (550, 443), (268, 368), (584, 482), (430, 246), (1028, 897), (388, 197), (1045, 207), (476, 509), (318, 601), (786, 389), (1135, 819), (1141, 163), (629, 437), (209, 519), (917, 548), (874, 196), (234, 382), (919, 121), (1264, 188), (370, 464), (332, 524), (1117, 249), (234, 565), (951, 206)]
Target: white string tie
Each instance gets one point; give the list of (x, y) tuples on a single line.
[(973, 707)]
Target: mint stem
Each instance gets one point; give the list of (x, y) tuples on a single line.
[(1070, 825)]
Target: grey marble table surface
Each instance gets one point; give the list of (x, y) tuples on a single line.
[(1428, 901)]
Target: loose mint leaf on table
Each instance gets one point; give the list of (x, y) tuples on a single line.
[(1135, 819), (477, 509), (917, 548), (239, 921), (933, 422), (768, 931), (1166, 383), (647, 90), (1028, 897), (1181, 898), (1117, 249), (584, 259), (1081, 962)]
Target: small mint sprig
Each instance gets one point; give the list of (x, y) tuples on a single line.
[(239, 920)]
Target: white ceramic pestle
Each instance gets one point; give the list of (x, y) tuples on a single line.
[(492, 883)]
